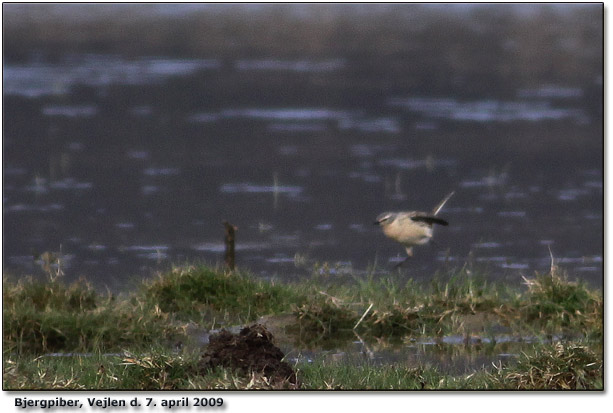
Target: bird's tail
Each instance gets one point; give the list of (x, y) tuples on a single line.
[(442, 203)]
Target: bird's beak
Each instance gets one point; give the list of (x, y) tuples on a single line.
[(376, 223)]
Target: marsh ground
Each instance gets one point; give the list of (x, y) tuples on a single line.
[(457, 332)]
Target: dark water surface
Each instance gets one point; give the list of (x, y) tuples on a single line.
[(129, 164), (455, 355)]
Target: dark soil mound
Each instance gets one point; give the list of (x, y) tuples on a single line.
[(252, 350)]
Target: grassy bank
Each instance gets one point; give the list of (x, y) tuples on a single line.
[(137, 340)]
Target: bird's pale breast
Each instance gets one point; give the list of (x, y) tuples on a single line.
[(408, 232)]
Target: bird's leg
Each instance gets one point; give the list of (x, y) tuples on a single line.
[(409, 255)]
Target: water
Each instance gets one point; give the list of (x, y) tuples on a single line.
[(456, 355), (126, 166)]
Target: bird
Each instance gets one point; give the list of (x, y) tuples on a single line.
[(411, 228)]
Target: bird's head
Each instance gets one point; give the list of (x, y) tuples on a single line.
[(385, 218)]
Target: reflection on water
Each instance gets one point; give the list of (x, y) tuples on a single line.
[(85, 111), (40, 78), (452, 354), (290, 65), (250, 188), (455, 355), (551, 91), (488, 110), (134, 163)]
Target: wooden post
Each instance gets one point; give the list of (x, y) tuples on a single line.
[(229, 241)]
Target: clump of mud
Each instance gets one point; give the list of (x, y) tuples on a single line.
[(250, 351)]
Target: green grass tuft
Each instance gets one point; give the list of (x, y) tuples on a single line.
[(50, 316), (198, 293), (556, 303), (560, 366)]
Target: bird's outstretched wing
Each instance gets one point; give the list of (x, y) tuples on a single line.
[(429, 220)]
